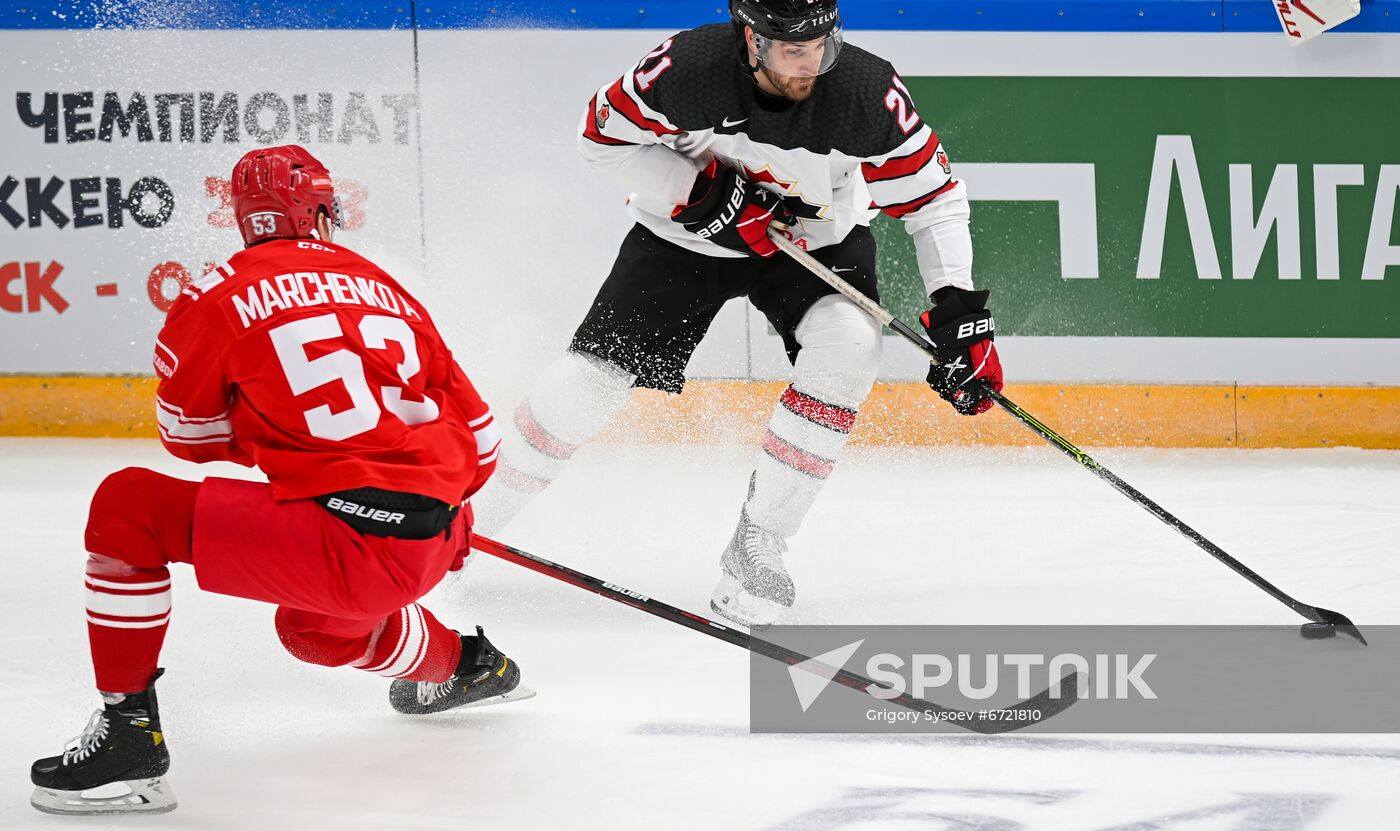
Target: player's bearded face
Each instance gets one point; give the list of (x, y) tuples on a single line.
[(793, 67), (795, 88)]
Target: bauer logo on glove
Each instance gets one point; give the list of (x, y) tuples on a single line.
[(726, 217), (731, 211), (962, 330), (976, 327)]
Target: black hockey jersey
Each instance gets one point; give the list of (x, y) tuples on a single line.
[(855, 147)]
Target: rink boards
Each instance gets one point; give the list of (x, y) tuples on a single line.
[(1164, 219), (899, 414)]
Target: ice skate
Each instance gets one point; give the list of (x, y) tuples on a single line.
[(484, 676), (115, 766), (755, 588)]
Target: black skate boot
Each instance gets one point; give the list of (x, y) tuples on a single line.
[(483, 676), (114, 767)]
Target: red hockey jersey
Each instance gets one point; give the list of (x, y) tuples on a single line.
[(308, 361)]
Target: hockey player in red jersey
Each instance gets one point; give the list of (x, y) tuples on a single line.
[(721, 132), (306, 360)]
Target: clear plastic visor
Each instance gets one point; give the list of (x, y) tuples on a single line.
[(799, 59)]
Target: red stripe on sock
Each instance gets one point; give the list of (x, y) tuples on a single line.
[(796, 458), (817, 411), (539, 438), (125, 592), (128, 618), (441, 653), (391, 642), (515, 480), (123, 660)]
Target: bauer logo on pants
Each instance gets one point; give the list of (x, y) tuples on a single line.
[(335, 503)]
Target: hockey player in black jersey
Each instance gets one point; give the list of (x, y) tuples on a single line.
[(721, 132)]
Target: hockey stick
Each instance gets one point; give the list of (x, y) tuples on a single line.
[(1036, 709), (875, 310)]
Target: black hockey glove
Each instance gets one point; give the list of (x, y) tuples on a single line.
[(729, 210), (962, 329)]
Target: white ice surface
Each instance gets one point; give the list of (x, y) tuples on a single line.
[(642, 724)]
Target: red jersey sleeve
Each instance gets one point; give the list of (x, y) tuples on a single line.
[(194, 395)]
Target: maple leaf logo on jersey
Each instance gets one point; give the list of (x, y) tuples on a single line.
[(601, 118), (792, 197), (942, 158)]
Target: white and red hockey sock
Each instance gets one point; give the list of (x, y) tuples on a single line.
[(571, 402), (128, 612), (841, 348), (413, 645), (804, 437)]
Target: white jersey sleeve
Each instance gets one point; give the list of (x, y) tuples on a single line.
[(914, 182), (623, 137)]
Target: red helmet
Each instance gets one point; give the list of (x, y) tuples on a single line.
[(278, 191)]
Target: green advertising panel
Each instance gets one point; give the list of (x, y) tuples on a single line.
[(1222, 207)]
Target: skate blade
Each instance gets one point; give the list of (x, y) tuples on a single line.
[(732, 603), (735, 618), (139, 796), (520, 693)]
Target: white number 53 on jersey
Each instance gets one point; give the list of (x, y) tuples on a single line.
[(304, 375)]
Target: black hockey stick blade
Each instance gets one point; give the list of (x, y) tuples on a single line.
[(1022, 714), (1342, 623)]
